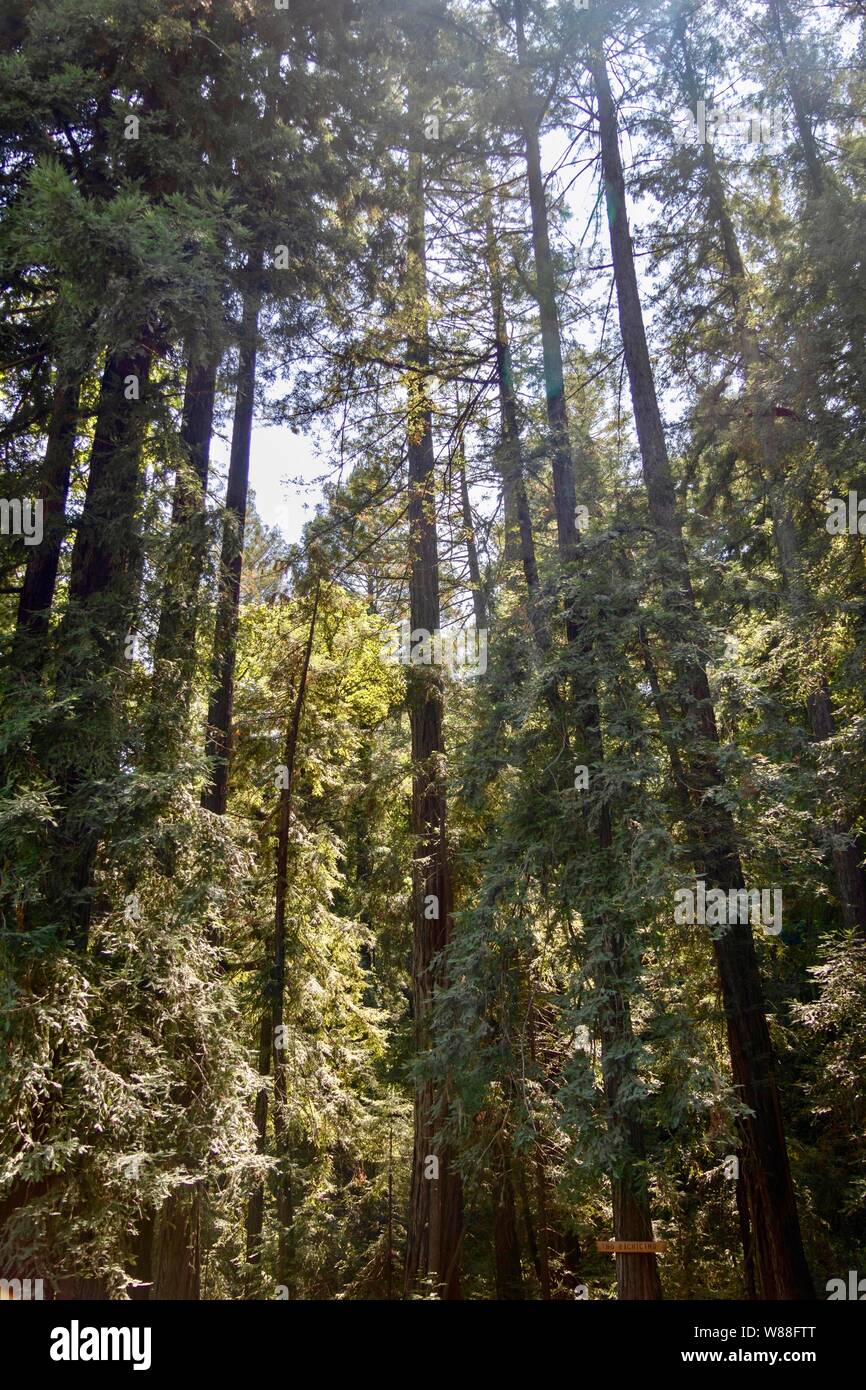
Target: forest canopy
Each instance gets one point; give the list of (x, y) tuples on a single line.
[(409, 907)]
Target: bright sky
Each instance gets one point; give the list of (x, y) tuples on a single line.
[(282, 469), (283, 465)]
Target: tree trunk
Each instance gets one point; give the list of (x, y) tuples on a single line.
[(174, 649), (101, 596), (746, 1238), (506, 1245), (808, 143), (40, 576), (256, 1202), (177, 1248), (169, 1268), (767, 1176), (100, 612), (847, 861), (436, 1207), (529, 1225), (219, 717), (182, 1209), (283, 1180), (542, 1229), (479, 600), (637, 1275), (519, 540), (551, 343)]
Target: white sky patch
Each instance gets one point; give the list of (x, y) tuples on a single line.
[(283, 469)]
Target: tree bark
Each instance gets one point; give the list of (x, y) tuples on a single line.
[(103, 556), (637, 1275), (506, 1244), (479, 598), (809, 145), (742, 1202), (767, 1175), (551, 342), (256, 1203), (519, 540), (174, 648), (436, 1207), (101, 608), (40, 575), (176, 1249), (847, 860), (219, 717), (283, 1180)]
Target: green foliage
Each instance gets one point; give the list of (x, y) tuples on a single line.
[(139, 932)]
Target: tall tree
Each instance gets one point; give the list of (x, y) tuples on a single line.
[(767, 421), (435, 1220), (767, 1175), (219, 715), (637, 1274)]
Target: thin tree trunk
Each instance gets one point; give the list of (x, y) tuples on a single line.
[(542, 1229), (436, 1207), (746, 1238), (551, 346), (637, 1275), (390, 1209), (767, 1175), (479, 600), (256, 1203), (174, 648), (529, 1225), (219, 718), (808, 143), (284, 1190), (506, 1244), (512, 470), (519, 540)]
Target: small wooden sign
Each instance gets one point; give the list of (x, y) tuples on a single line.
[(631, 1247)]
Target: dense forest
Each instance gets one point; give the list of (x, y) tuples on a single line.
[(408, 909)]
